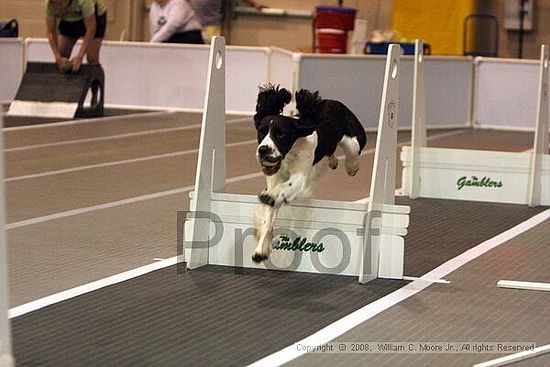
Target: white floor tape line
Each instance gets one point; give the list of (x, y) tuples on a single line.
[(136, 199), (115, 137), (88, 209), (439, 281), (516, 357), (103, 138), (102, 120), (347, 323), (90, 287), (147, 115), (113, 204), (159, 156), (121, 162)]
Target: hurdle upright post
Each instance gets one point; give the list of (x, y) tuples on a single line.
[(382, 190), (418, 123), (5, 329), (540, 146), (210, 176)]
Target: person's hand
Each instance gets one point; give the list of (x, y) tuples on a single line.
[(255, 4), (76, 62), (61, 62)]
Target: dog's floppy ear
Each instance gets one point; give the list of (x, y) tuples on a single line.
[(263, 102), (257, 120), (284, 98), (271, 101)]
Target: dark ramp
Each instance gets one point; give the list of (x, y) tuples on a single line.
[(43, 82), (208, 317)]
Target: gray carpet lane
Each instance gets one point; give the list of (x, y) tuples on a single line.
[(440, 230), (254, 333), (207, 317), (469, 309)]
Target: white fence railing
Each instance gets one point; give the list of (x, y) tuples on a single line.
[(459, 90)]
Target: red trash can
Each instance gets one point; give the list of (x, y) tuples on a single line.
[(330, 28)]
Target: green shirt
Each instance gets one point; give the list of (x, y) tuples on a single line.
[(77, 10)]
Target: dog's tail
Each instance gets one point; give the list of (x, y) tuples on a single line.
[(308, 105), (271, 101)]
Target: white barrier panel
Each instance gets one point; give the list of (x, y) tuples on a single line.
[(505, 177), (283, 70), (506, 93), (310, 239), (11, 67), (314, 235), (355, 80), (170, 75), (247, 68), (459, 174)]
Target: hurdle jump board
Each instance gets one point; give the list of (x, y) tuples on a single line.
[(318, 236), (504, 177), (460, 174), (47, 92)]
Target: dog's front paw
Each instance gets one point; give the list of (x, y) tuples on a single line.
[(266, 199), (259, 257), (352, 171)]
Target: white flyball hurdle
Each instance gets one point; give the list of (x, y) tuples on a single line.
[(478, 175), (321, 236)]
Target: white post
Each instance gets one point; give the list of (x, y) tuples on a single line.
[(541, 133), (382, 188), (418, 120), (5, 335), (210, 176), (516, 284)]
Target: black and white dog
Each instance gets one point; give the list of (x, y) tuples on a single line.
[(295, 152)]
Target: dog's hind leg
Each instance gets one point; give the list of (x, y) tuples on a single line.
[(352, 149), (263, 222)]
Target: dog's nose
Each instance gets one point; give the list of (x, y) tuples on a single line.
[(264, 150)]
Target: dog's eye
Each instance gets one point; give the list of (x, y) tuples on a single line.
[(278, 134)]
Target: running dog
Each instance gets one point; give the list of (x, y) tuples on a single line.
[(295, 152)]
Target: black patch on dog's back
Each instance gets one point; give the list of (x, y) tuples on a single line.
[(334, 121)]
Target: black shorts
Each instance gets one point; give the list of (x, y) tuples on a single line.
[(78, 29), (186, 37)]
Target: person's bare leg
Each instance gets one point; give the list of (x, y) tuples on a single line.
[(92, 55), (66, 45)]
